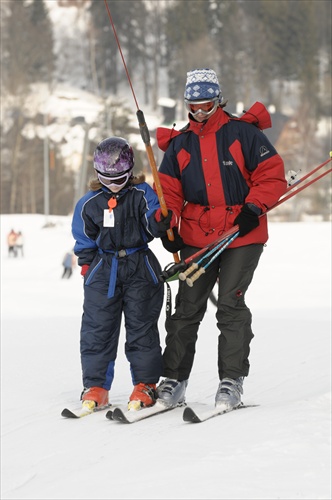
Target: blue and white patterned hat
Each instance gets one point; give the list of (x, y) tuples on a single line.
[(202, 84)]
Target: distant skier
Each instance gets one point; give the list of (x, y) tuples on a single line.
[(19, 244), (68, 263), (11, 242)]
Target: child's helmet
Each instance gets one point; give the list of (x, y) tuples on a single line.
[(113, 161), (113, 157)]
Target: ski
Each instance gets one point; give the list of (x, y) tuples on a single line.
[(190, 415), (132, 416), (82, 412)]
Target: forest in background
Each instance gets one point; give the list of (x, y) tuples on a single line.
[(274, 51)]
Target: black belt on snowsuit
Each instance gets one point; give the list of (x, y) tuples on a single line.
[(118, 254)]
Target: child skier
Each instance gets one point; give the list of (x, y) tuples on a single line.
[(112, 225)]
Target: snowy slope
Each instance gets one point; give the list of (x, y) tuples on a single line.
[(279, 450)]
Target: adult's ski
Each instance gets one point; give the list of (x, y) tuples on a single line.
[(196, 417), (132, 416)]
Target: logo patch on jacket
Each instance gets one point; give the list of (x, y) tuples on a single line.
[(263, 151)]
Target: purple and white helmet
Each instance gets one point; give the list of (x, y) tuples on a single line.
[(114, 161)]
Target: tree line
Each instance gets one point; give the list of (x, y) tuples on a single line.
[(275, 51)]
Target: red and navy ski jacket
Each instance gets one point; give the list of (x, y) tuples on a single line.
[(210, 170)]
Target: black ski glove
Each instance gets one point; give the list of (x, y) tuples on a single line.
[(248, 219), (164, 223), (173, 246)]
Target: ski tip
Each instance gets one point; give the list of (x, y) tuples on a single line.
[(109, 414), (190, 416), (68, 413), (119, 416)]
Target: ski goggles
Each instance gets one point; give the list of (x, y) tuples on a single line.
[(204, 107), (110, 181)]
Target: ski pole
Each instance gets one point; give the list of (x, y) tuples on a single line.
[(190, 281), (290, 192), (298, 189), (146, 138), (172, 271), (220, 247), (195, 265), (309, 174)]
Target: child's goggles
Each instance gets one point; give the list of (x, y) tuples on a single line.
[(204, 107), (109, 180)]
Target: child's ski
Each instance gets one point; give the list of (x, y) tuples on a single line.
[(82, 412), (132, 416)]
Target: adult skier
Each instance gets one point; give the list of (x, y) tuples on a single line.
[(217, 172)]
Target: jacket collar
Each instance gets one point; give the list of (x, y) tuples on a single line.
[(217, 120), (165, 135)]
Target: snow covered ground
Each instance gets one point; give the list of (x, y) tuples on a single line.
[(278, 450)]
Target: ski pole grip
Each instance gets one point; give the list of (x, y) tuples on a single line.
[(191, 269), (145, 134), (190, 281)]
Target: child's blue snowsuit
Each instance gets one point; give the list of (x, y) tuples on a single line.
[(123, 278)]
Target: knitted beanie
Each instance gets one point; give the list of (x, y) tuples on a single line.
[(202, 84)]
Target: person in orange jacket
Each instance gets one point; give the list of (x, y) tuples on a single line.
[(217, 172), (11, 242)]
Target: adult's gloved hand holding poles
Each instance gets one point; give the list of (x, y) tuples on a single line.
[(248, 219)]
